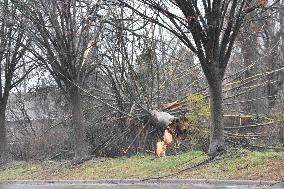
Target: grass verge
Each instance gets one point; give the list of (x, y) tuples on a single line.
[(236, 164)]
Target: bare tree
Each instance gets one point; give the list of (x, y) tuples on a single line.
[(143, 72), (261, 42), (209, 29), (13, 48), (249, 51), (67, 36), (273, 38)]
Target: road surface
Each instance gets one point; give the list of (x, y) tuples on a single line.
[(136, 184)]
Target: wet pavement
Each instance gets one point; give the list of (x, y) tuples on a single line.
[(165, 184)]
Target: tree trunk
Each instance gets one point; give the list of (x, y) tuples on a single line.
[(3, 138), (80, 145), (217, 141)]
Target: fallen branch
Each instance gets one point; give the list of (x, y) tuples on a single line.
[(195, 166), (267, 147), (242, 136), (250, 126)]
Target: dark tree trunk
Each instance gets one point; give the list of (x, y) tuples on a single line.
[(81, 147), (3, 138), (271, 88), (250, 55), (217, 142)]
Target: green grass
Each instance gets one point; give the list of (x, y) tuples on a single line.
[(243, 165), (236, 164)]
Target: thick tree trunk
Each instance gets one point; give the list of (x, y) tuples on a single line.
[(81, 147), (217, 141), (3, 138)]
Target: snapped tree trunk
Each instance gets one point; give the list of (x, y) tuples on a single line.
[(3, 138), (217, 141), (80, 144)]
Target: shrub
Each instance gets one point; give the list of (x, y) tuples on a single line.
[(198, 119)]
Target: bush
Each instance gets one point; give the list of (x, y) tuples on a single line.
[(198, 119), (41, 144)]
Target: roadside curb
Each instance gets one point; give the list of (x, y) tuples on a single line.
[(157, 181)]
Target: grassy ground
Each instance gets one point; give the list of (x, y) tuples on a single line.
[(235, 164)]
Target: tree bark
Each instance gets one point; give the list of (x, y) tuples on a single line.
[(217, 141), (80, 144), (3, 138)]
